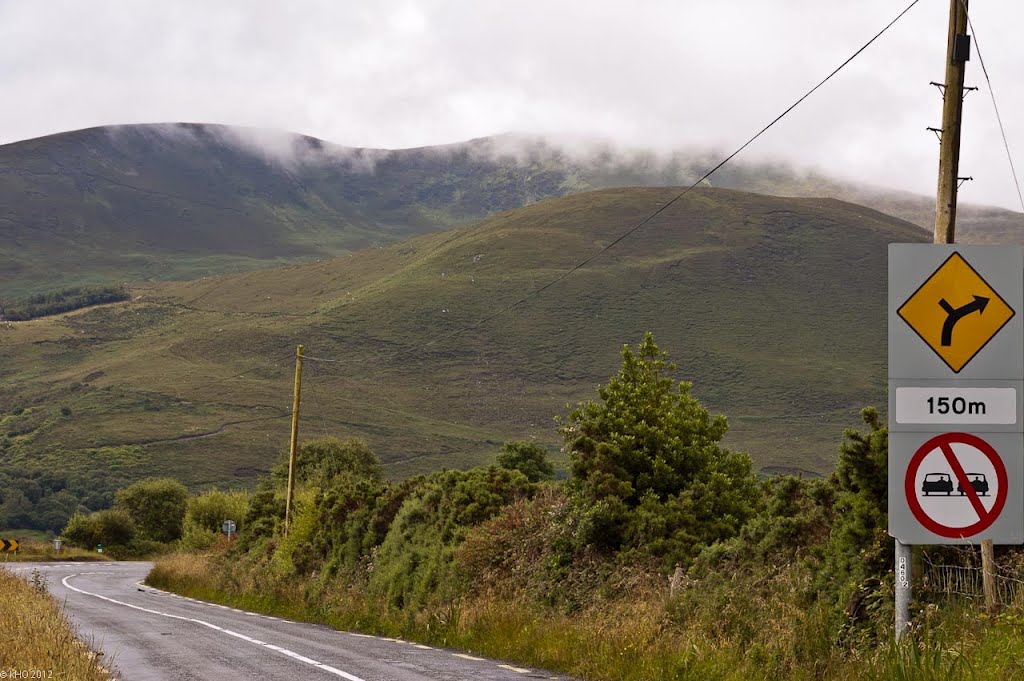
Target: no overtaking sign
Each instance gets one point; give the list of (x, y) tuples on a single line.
[(956, 485)]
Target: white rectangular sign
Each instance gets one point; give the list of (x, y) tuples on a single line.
[(956, 405)]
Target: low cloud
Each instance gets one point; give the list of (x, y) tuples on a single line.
[(658, 75)]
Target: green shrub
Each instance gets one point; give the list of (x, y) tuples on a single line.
[(649, 475), (112, 527), (528, 458), (415, 564), (206, 513), (318, 462), (157, 505)]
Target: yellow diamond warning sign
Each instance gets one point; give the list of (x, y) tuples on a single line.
[(956, 312)]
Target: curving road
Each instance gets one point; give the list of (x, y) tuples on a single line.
[(152, 635)]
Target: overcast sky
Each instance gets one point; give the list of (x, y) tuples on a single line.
[(394, 73)]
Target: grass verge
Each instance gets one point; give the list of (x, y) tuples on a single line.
[(36, 639), (37, 552), (643, 637)]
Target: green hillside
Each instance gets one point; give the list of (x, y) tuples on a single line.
[(103, 206), (179, 201), (774, 308)]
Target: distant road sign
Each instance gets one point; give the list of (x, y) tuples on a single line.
[(956, 485), (8, 544), (956, 312)]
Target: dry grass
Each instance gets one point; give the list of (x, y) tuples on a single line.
[(752, 629), (36, 639), (35, 552)]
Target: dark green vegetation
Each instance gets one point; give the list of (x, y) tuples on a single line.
[(65, 300), (43, 499), (774, 308), (662, 556), (180, 201), (146, 516)]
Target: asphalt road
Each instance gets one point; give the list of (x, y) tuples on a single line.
[(155, 636)]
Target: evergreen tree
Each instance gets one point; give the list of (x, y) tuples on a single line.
[(649, 474)]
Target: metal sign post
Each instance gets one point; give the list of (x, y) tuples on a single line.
[(903, 592)]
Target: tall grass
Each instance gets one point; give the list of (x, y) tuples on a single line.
[(741, 627), (732, 632), (35, 635)]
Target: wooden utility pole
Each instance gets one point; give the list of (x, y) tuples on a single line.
[(958, 51), (294, 439)]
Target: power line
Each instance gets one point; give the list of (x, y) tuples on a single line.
[(992, 94), (580, 265), (678, 196)]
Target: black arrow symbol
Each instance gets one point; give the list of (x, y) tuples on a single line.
[(956, 314)]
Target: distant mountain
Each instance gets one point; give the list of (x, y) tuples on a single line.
[(773, 307), (180, 201), (153, 202)]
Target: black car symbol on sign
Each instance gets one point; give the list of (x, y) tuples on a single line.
[(938, 483), (978, 482)]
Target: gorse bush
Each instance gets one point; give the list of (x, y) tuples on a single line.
[(318, 462), (415, 563), (528, 458)]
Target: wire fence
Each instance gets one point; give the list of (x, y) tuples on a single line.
[(956, 572)]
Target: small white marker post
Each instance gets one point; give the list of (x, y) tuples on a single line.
[(903, 591)]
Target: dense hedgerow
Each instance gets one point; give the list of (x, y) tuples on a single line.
[(658, 522)]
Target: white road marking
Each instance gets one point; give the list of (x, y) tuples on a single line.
[(519, 670), (248, 639), (469, 657)]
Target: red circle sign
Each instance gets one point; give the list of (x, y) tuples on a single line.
[(944, 443)]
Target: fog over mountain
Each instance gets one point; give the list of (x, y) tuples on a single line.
[(400, 74)]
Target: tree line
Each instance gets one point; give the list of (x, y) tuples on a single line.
[(57, 302)]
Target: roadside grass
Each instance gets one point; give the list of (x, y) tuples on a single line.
[(37, 638), (30, 551), (736, 629)]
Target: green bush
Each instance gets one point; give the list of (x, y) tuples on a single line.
[(157, 505), (112, 527), (318, 462), (415, 564), (649, 474), (528, 458), (206, 513)]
